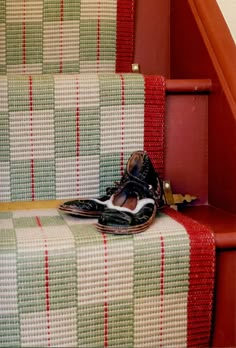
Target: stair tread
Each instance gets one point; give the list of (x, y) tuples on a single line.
[(220, 221)]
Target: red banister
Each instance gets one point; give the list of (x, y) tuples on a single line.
[(188, 86), (219, 43)]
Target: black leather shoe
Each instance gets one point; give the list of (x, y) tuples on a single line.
[(131, 209), (139, 168), (88, 207)]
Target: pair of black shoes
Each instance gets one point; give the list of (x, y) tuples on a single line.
[(128, 207)]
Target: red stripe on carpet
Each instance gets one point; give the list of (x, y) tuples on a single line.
[(77, 116), (105, 290), (154, 118), (201, 279), (98, 34), (122, 124), (162, 291), (61, 35), (31, 138), (24, 37), (46, 277), (124, 35)]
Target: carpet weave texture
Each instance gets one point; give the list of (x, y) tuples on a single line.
[(63, 284), (70, 135), (64, 36)]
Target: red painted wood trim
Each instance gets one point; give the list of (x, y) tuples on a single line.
[(222, 223), (226, 240), (219, 43), (188, 86)]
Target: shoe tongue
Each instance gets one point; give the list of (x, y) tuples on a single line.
[(135, 165), (139, 168)]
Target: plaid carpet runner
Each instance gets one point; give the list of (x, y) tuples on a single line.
[(61, 36), (63, 284), (65, 136)]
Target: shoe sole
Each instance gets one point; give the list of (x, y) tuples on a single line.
[(77, 212), (127, 230)]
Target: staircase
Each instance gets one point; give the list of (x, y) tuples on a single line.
[(189, 138)]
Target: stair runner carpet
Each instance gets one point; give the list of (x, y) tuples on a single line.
[(58, 36), (63, 284), (70, 135)]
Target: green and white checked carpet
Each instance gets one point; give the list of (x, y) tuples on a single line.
[(63, 284), (70, 135), (64, 36)]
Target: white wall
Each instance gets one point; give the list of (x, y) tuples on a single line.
[(228, 8)]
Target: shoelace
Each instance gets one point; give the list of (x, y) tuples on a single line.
[(144, 188), (117, 184), (141, 189)]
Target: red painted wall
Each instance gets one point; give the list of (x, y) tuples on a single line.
[(190, 59), (186, 163), (152, 36), (186, 160)]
